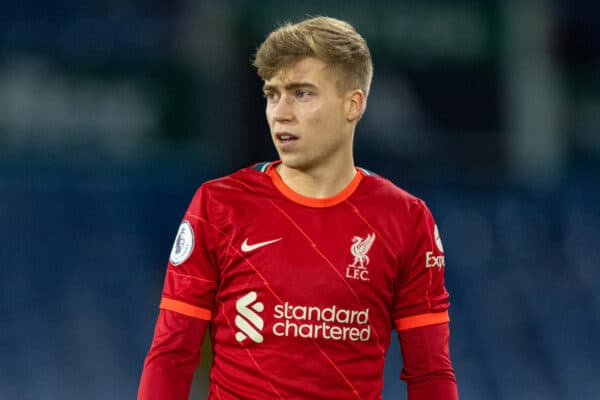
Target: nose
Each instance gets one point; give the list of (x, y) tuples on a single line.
[(281, 111)]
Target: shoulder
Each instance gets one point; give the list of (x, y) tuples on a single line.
[(248, 180), (243, 178), (398, 213), (382, 190)]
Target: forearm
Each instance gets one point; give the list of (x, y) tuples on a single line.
[(442, 388), (160, 382), (173, 357), (427, 368)]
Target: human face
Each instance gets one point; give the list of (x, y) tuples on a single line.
[(307, 117)]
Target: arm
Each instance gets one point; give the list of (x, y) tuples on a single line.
[(173, 357), (421, 313), (185, 310), (427, 369)]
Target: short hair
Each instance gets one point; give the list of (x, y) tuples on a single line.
[(330, 40)]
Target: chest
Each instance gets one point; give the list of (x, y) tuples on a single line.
[(310, 256)]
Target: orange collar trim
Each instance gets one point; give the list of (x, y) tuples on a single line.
[(312, 201)]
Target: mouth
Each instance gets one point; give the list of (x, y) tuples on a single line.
[(285, 137)]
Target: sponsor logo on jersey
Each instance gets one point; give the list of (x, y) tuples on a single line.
[(184, 244), (250, 247), (359, 249), (300, 321), (432, 261), (331, 323), (438, 239), (249, 323)]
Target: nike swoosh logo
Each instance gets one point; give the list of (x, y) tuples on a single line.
[(249, 247)]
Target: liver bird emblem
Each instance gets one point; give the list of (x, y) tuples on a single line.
[(359, 249)]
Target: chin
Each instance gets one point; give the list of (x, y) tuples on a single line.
[(293, 162)]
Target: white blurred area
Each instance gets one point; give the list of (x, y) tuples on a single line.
[(44, 109)]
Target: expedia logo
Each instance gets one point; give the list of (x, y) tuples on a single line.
[(249, 323), (432, 261)]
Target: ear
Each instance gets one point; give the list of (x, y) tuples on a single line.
[(355, 104)]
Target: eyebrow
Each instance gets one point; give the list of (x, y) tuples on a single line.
[(290, 86)]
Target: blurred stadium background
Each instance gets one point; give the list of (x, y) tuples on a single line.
[(113, 112)]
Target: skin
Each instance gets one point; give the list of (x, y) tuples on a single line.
[(303, 101)]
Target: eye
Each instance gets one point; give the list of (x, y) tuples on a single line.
[(270, 96), (302, 93)]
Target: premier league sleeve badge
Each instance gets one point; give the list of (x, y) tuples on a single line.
[(184, 244)]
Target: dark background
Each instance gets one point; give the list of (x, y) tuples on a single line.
[(113, 112)]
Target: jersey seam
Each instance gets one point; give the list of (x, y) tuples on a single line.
[(191, 277)]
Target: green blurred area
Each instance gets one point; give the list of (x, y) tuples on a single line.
[(448, 76)]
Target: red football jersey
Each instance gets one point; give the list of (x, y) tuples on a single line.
[(302, 294)]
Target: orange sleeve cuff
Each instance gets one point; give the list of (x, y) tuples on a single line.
[(416, 321), (185, 309)]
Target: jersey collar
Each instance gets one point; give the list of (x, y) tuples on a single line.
[(311, 201)]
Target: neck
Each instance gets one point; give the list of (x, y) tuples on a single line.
[(318, 182)]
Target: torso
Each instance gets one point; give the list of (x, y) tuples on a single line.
[(303, 307)]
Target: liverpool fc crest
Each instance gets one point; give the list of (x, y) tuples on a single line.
[(359, 249)]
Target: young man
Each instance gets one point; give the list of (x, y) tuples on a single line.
[(302, 267)]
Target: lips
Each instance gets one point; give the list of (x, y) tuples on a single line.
[(286, 141), (285, 137)]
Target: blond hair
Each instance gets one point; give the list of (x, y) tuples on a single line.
[(330, 40)]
